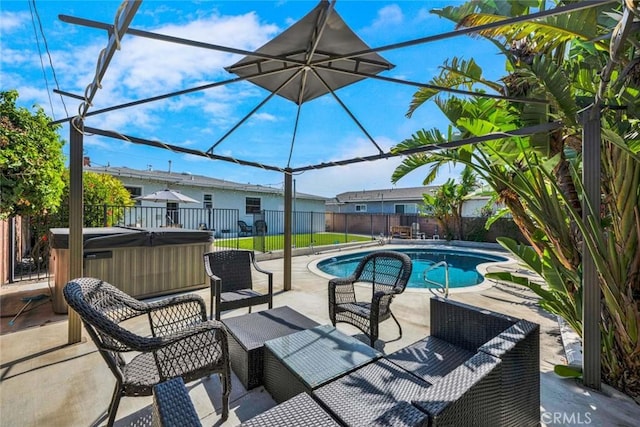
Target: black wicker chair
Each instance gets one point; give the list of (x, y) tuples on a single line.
[(230, 274), (260, 227), (388, 273), (182, 342), (245, 229)]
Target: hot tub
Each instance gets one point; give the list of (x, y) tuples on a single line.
[(143, 262)]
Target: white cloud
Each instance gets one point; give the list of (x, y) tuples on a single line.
[(144, 68), (423, 15), (335, 180), (149, 67), (16, 57), (389, 15), (12, 21), (365, 175), (264, 117)]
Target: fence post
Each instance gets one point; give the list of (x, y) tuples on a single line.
[(371, 225), (105, 221), (12, 250), (287, 230)]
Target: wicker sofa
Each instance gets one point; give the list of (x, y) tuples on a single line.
[(489, 373), (476, 368)]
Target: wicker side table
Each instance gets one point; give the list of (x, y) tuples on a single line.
[(300, 410), (248, 333), (306, 360)]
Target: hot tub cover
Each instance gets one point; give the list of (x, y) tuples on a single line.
[(123, 237)]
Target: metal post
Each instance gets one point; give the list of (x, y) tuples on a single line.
[(287, 229), (11, 256), (75, 218), (591, 295)]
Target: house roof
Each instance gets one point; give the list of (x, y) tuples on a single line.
[(390, 194), (188, 179)]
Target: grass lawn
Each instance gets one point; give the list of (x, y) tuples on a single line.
[(276, 242)]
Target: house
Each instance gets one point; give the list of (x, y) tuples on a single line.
[(402, 201), (388, 201), (214, 197)]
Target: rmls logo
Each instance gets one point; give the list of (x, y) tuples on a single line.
[(566, 418)]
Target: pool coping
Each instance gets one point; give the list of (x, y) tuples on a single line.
[(477, 247)]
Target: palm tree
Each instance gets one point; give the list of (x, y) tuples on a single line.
[(556, 59), (446, 205)]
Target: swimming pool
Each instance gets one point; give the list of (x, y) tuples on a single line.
[(462, 266)]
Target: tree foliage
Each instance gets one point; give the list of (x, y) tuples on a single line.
[(558, 60), (103, 198), (446, 205), (101, 194), (31, 160)]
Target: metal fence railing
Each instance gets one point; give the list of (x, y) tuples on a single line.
[(30, 253)]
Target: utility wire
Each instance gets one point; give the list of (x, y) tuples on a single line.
[(44, 72), (46, 48)]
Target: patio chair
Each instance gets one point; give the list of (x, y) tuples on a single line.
[(230, 275), (182, 342), (245, 229), (388, 273), (260, 226)]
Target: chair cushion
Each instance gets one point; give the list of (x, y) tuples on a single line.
[(141, 374), (430, 358), (239, 294), (362, 309)]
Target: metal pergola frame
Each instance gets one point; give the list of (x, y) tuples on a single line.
[(125, 15)]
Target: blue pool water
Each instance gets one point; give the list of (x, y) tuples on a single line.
[(462, 266)]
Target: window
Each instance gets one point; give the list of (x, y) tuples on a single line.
[(407, 208), (135, 192), (361, 208), (207, 201), (252, 205)]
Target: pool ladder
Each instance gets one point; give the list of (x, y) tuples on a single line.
[(437, 286)]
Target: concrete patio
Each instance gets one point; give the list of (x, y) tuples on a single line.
[(45, 381)]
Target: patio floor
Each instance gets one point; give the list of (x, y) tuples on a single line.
[(45, 381)]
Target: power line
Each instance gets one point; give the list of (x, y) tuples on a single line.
[(44, 73), (46, 48)]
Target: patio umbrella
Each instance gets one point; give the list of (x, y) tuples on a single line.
[(167, 195)]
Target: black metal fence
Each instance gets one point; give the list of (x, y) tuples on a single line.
[(266, 233), (28, 249)]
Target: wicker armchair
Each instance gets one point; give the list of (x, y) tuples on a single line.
[(260, 227), (230, 274), (388, 273), (245, 229), (182, 342)]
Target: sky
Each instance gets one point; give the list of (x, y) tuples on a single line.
[(41, 53)]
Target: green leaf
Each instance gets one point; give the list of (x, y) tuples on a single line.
[(566, 371)]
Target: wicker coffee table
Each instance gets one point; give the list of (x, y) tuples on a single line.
[(304, 361), (248, 334)]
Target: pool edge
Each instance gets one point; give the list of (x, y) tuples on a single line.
[(489, 248)]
